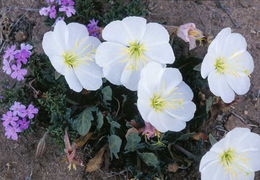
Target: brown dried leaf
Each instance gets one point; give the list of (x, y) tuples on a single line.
[(41, 145), (96, 162), (173, 167), (200, 136), (80, 142)]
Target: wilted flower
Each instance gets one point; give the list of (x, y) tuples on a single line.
[(149, 131), (189, 33), (164, 100), (72, 53), (234, 157), (131, 44), (228, 65)]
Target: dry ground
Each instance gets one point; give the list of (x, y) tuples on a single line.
[(17, 160)]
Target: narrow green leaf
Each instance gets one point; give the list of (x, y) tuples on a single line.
[(197, 67), (114, 145), (100, 120), (149, 159), (212, 139), (107, 94), (132, 141)]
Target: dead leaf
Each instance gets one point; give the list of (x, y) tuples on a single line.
[(80, 142), (200, 136), (41, 145), (173, 167), (96, 162)]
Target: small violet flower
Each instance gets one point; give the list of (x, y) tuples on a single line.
[(9, 119), (24, 124), (45, 11), (10, 53), (67, 2), (18, 109), (53, 12), (93, 28), (6, 67), (189, 33), (18, 73), (31, 111), (11, 132), (26, 47), (22, 56), (69, 10)]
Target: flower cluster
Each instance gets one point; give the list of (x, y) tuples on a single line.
[(14, 59), (17, 119), (55, 6), (93, 28)]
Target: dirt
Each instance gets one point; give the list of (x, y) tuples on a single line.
[(17, 159)]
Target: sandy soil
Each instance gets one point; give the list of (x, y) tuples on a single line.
[(17, 158)]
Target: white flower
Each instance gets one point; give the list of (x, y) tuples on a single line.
[(235, 157), (72, 51), (131, 44), (228, 65), (164, 100)]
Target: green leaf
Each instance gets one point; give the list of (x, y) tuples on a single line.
[(107, 94), (113, 124), (197, 67), (114, 145), (132, 141), (149, 159), (100, 120), (57, 75), (212, 139), (83, 121)]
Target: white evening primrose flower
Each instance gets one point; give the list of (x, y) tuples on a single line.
[(164, 100), (131, 44), (72, 53), (228, 65), (235, 157)]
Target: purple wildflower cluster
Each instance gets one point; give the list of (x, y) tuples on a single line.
[(55, 6), (13, 60), (93, 28), (17, 119)]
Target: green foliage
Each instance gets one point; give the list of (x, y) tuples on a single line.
[(150, 159), (114, 145), (133, 139)]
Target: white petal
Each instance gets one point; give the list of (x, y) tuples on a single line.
[(50, 46), (130, 78), (185, 112), (240, 85), (77, 33), (61, 34), (117, 32), (214, 172), (155, 34), (136, 27), (171, 123), (242, 60), (219, 87), (217, 43), (155, 120), (89, 75), (161, 53), (254, 157), (233, 43), (113, 72), (108, 53), (72, 80), (150, 77), (207, 65), (170, 79), (143, 107), (58, 64), (208, 160)]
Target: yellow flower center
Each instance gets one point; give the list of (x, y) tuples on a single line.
[(220, 65), (135, 55), (70, 59), (234, 163), (194, 33), (158, 103)]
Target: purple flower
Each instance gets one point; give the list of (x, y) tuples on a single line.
[(149, 131), (67, 2), (11, 132), (93, 28), (31, 111), (49, 1), (22, 56), (8, 119), (69, 10), (24, 124), (18, 109), (6, 67), (1, 97), (18, 72), (45, 11), (26, 47), (53, 12), (10, 53)]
